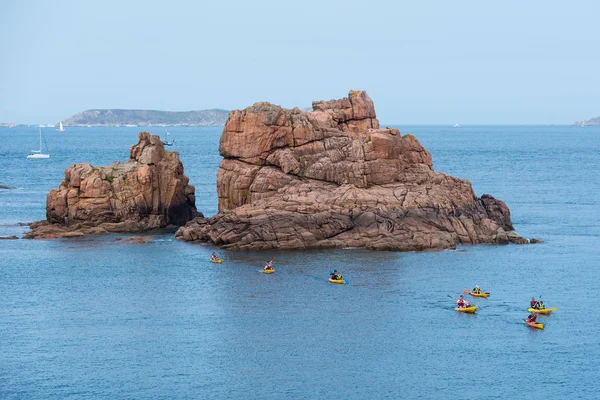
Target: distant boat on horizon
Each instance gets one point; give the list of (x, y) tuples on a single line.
[(130, 125), (60, 127), (166, 142), (456, 126), (38, 153)]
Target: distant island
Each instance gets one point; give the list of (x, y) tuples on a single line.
[(589, 122), (117, 117)]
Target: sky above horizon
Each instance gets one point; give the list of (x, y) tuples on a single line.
[(428, 62)]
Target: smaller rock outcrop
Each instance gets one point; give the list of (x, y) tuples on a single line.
[(147, 192)]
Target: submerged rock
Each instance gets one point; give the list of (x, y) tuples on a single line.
[(138, 239), (149, 191), (8, 237), (7, 187), (333, 178)]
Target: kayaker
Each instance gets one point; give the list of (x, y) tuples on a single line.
[(477, 290), (269, 265), (540, 305), (335, 276), (533, 303), (532, 318), (461, 302)]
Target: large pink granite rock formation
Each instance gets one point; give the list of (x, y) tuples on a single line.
[(333, 178)]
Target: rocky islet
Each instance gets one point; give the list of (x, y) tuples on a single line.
[(332, 178), (149, 191)]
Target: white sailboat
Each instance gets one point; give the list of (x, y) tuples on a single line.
[(166, 140), (38, 153), (456, 126), (60, 128)]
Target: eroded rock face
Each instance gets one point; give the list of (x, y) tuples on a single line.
[(147, 192), (333, 178)]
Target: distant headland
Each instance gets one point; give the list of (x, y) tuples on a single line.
[(118, 117), (589, 122)]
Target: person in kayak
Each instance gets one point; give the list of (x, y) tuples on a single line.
[(533, 303), (532, 318), (461, 303), (540, 305), (269, 265), (477, 290), (335, 276), (214, 256)]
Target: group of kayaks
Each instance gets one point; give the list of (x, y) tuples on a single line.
[(466, 308), (268, 269), (471, 308), (539, 308)]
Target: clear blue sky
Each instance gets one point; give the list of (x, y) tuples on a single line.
[(425, 62)]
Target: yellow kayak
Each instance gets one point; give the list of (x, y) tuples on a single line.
[(543, 311), (534, 325), (482, 294), (268, 271), (216, 261), (469, 310), (340, 281)]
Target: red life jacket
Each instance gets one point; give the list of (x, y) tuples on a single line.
[(532, 318)]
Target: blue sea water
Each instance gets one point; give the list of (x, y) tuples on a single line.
[(95, 318)]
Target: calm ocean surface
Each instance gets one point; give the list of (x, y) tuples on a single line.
[(95, 318)]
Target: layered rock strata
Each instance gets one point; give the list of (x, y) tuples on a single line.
[(333, 178), (149, 191)]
